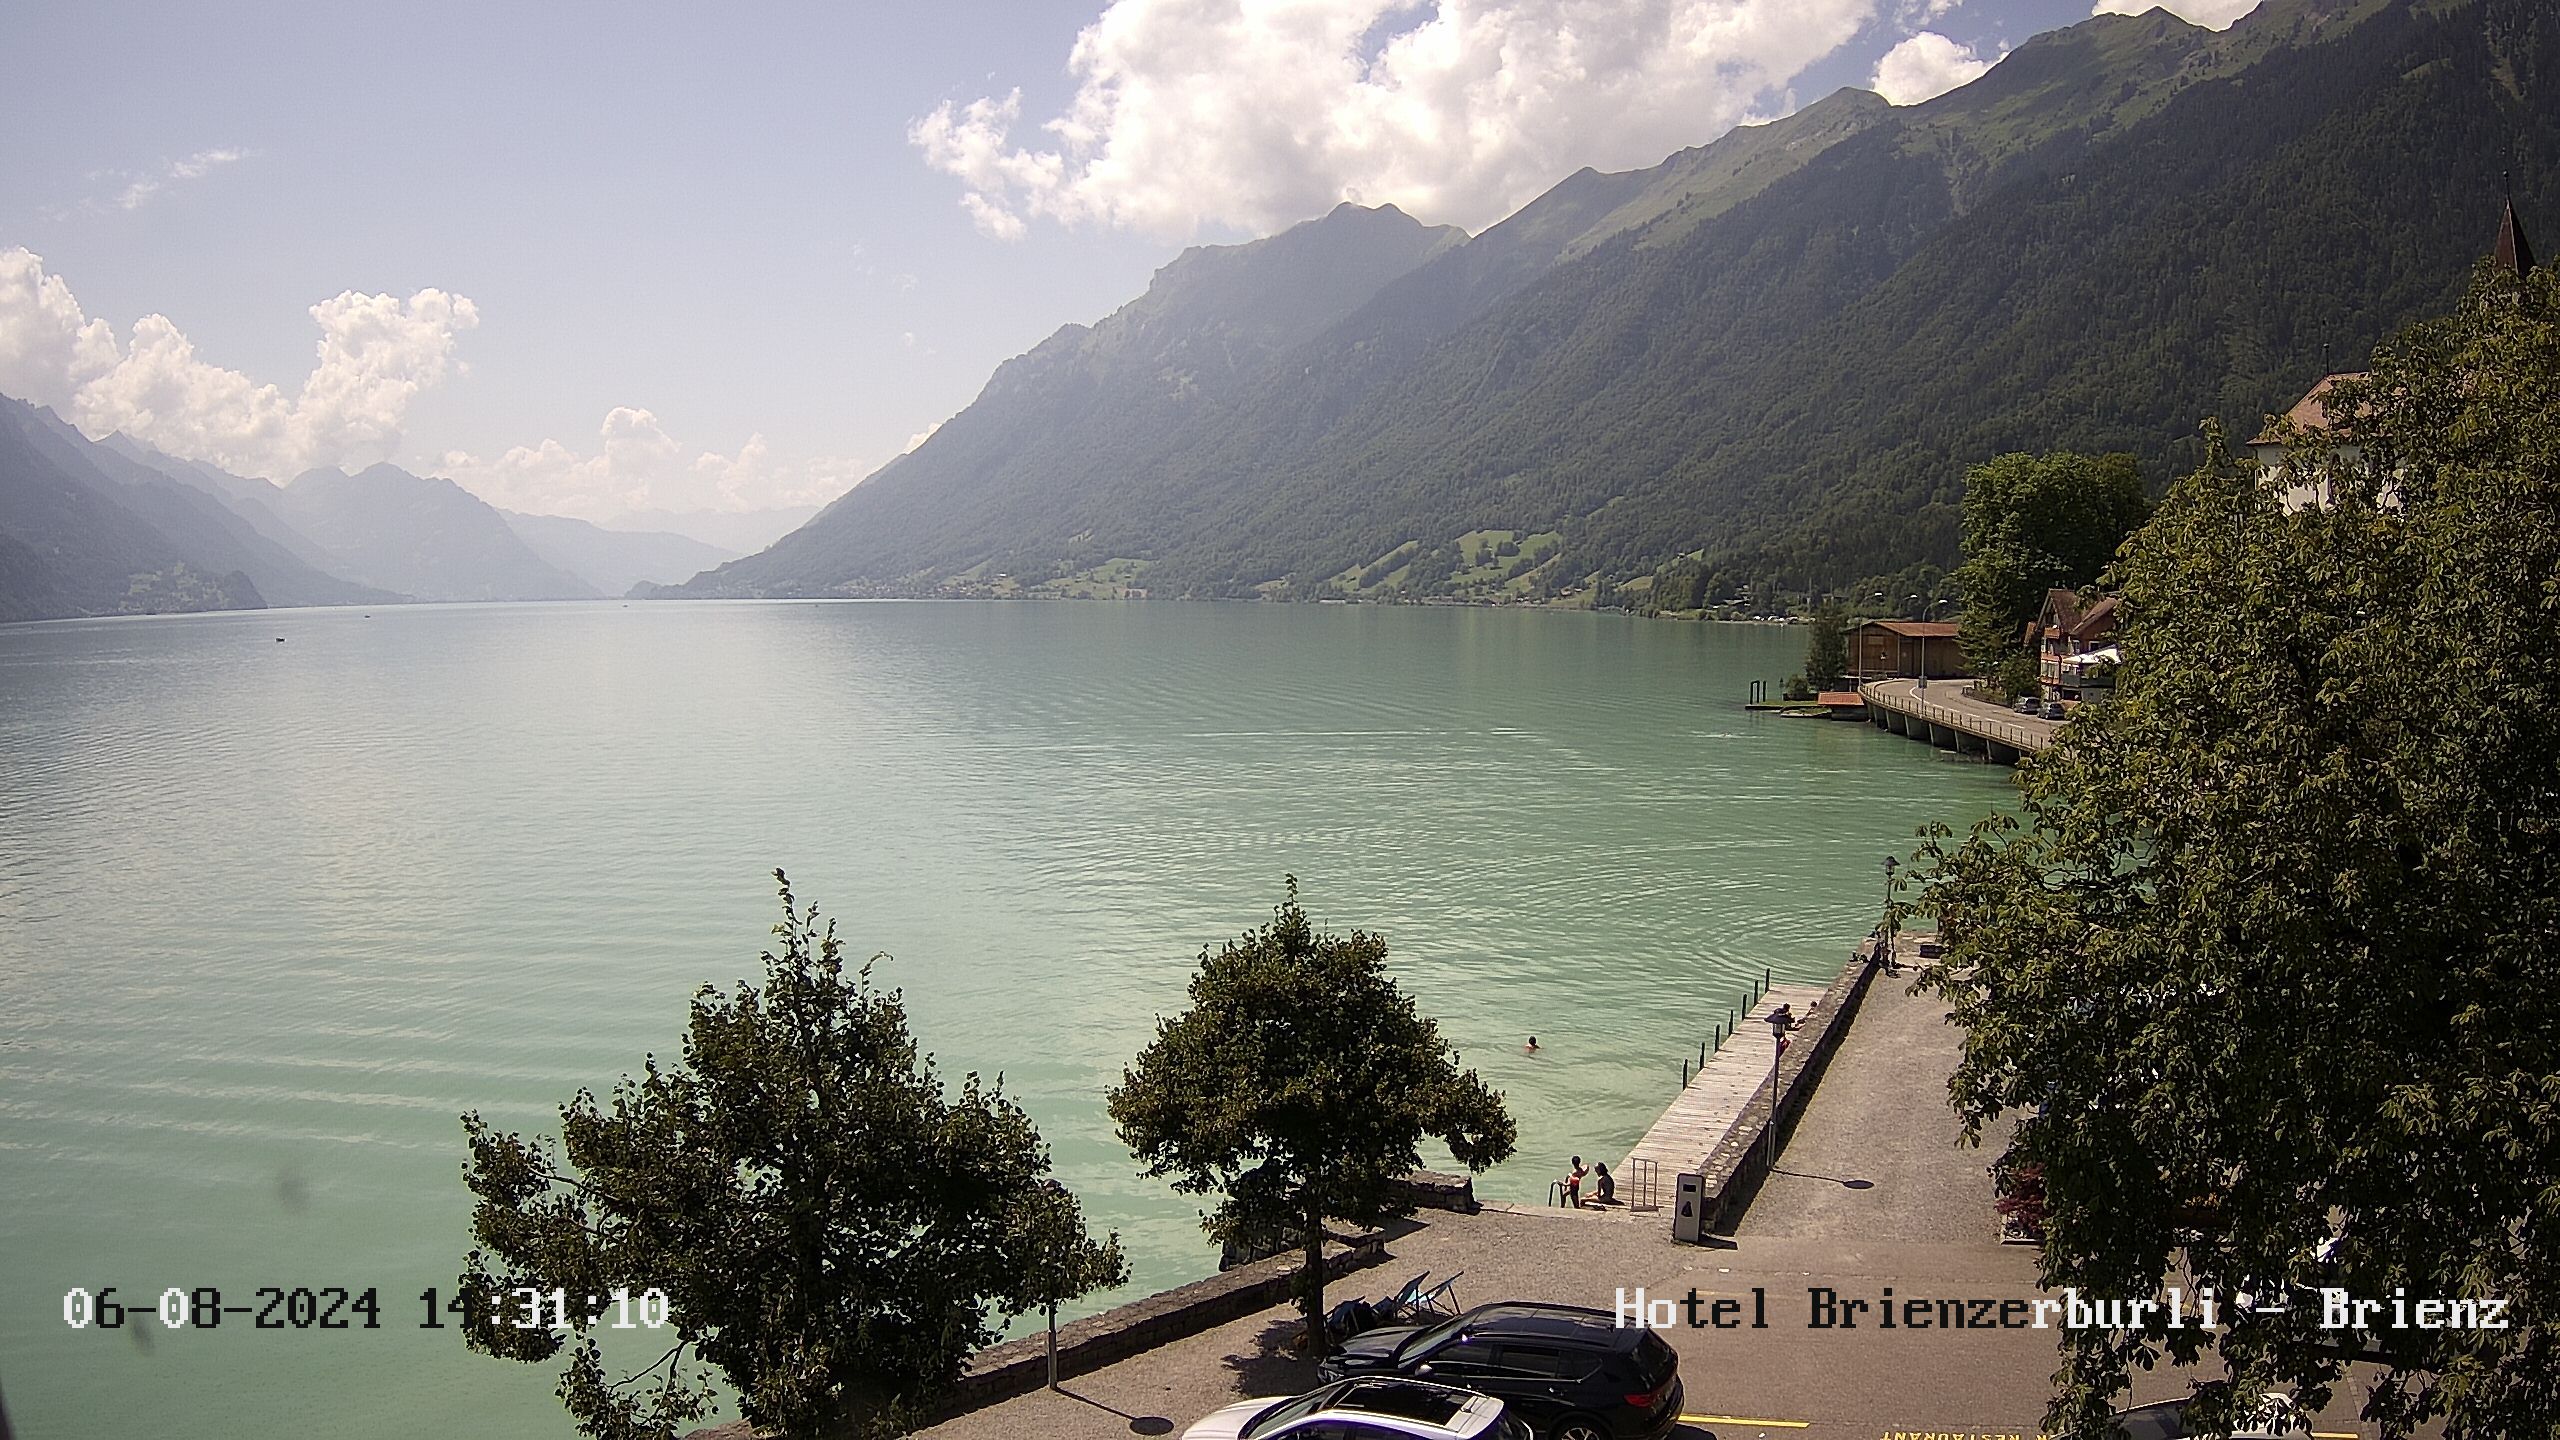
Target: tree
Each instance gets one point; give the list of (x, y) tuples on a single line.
[(1826, 650), (1298, 1086), (2267, 969), (829, 1226), (1063, 1261), (2032, 522)]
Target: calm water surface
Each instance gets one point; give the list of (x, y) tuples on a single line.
[(273, 915)]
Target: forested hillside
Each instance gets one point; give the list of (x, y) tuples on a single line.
[(1775, 355)]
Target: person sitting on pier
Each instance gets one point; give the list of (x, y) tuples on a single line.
[(1573, 1184), (1607, 1191)]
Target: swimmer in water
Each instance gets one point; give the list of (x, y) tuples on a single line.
[(1532, 1046)]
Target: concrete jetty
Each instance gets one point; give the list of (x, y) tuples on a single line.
[(1712, 1103)]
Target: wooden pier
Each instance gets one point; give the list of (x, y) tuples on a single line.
[(1713, 1101)]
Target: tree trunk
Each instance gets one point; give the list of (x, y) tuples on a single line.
[(1311, 1279), (1053, 1345)]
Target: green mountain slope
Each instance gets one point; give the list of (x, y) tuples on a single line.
[(1778, 351)]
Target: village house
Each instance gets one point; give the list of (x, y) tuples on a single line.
[(2072, 638)]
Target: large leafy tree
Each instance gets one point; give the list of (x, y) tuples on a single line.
[(832, 1227), (1298, 1087), (2270, 970), (2032, 522)]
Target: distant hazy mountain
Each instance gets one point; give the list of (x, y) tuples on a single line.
[(615, 560), (69, 546), (258, 502), (740, 532), (214, 535), (1779, 351), (421, 536)]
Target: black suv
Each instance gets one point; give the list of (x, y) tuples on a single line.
[(1574, 1374)]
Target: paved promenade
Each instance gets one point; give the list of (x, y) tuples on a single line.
[(1876, 1153)]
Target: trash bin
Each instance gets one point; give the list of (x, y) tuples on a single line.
[(1689, 1210)]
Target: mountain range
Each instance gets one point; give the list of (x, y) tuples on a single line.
[(1771, 357), (114, 527)]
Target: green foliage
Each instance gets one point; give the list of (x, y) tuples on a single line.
[(1826, 650), (1298, 1087), (2015, 675), (830, 1226), (2270, 957), (2031, 523)]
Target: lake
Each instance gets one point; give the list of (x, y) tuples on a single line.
[(272, 915)]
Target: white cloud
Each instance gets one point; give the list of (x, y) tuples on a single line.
[(1925, 67), (2211, 14), (48, 348), (375, 354), (637, 465), (138, 187), (1254, 115)]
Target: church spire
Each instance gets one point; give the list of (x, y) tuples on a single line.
[(2512, 252)]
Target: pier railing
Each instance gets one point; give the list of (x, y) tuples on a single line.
[(1897, 705), (1726, 1028)]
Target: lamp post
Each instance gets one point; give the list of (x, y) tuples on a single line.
[(1884, 932), (1781, 1020)]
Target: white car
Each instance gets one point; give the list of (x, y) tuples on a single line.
[(2273, 1417), (1369, 1408)]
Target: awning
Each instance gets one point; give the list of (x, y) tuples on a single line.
[(2107, 655)]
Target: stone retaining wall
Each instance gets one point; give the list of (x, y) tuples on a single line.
[(1734, 1171), (1017, 1367), (1435, 1190)]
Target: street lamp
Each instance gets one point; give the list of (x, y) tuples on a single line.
[(1781, 1020), (1884, 930)]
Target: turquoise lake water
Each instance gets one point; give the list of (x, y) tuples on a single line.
[(273, 915)]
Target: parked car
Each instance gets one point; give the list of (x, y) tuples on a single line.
[(1573, 1373), (2274, 1417), (2053, 710), (2026, 705), (1369, 1408)]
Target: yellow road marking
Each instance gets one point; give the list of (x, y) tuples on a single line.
[(2335, 1435), (1741, 1420)]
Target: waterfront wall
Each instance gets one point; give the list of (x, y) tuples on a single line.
[(1018, 1367)]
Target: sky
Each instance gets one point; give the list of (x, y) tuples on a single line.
[(598, 260)]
